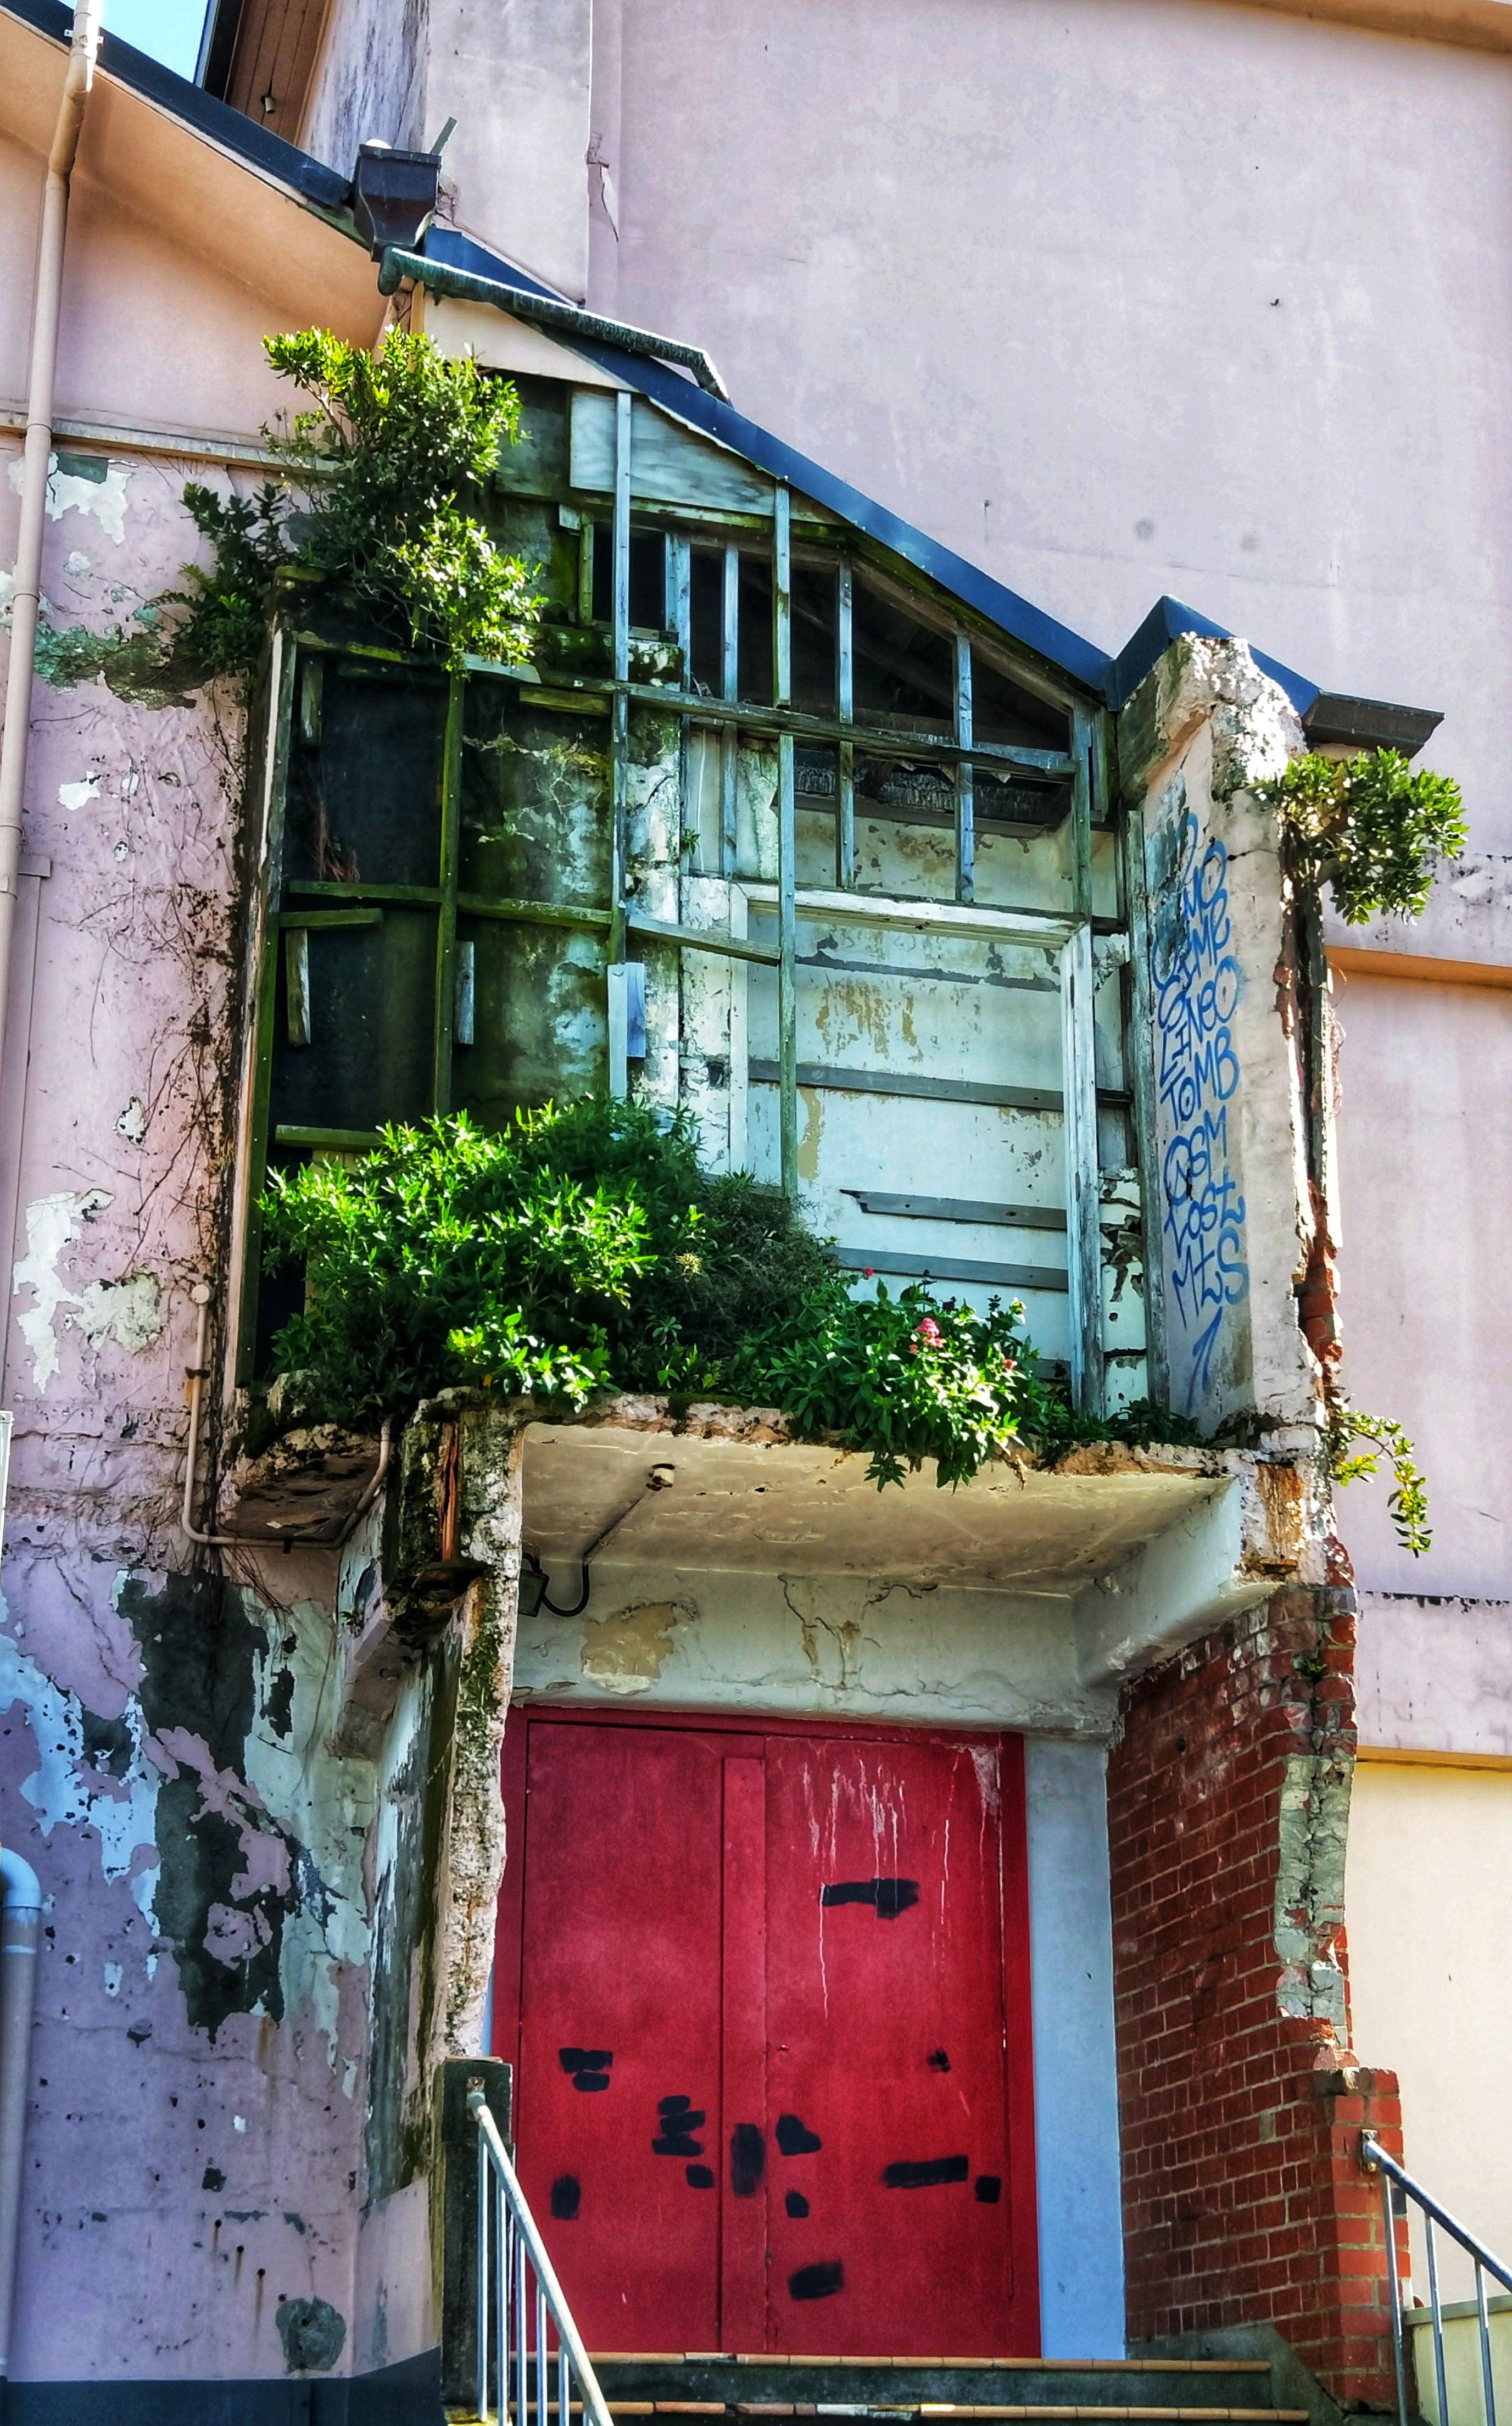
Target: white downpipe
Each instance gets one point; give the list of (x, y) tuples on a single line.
[(27, 596), (19, 1932)]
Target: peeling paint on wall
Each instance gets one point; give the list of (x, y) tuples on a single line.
[(91, 1773), (78, 487), (53, 1223), (626, 1652)]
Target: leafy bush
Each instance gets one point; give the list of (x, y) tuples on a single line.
[(585, 1249), (222, 633), (397, 451), (1409, 1502), (402, 442), (1369, 828)]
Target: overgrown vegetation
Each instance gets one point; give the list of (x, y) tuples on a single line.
[(396, 451), (1370, 829), (1407, 1504), (585, 1249)]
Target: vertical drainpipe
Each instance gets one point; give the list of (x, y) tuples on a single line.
[(21, 1920), (27, 596), (20, 1930)]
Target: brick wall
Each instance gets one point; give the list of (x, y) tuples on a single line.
[(1243, 2198)]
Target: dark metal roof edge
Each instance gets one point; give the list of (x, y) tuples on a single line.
[(198, 109), (1168, 619), (1374, 723), (1085, 664)]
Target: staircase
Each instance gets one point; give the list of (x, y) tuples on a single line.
[(1180, 2392)]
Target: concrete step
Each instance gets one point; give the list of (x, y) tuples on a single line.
[(706, 2383)]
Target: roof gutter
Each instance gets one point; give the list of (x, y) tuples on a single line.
[(27, 595), (545, 312)]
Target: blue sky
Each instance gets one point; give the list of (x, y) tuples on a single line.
[(164, 30)]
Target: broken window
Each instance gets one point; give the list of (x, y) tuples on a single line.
[(765, 833)]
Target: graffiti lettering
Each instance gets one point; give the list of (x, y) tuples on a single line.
[(1198, 985)]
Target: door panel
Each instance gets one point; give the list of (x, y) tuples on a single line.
[(620, 2057), (761, 2036), (885, 2070)]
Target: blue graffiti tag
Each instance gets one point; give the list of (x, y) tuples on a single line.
[(1198, 986)]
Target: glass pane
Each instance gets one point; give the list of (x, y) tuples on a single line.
[(534, 799), (371, 1004), (756, 630), (365, 775), (708, 621), (813, 639), (540, 1019), (1005, 712), (905, 670)]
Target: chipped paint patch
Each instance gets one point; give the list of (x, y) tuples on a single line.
[(65, 1790), (130, 1123), (626, 1653), (78, 796), (141, 666), (98, 492), (128, 1311), (53, 1223)]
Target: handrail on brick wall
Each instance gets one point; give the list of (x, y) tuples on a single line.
[(1376, 2160)]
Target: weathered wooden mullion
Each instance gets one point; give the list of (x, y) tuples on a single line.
[(965, 806), (729, 686), (845, 706), (1079, 1059), (621, 741), (424, 897), (679, 615), (875, 741), (283, 666), (1139, 1064), (532, 914), (451, 825), (321, 919), (787, 924)]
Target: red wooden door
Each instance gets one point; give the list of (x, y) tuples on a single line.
[(767, 1998)]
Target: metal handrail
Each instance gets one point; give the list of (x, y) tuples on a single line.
[(1376, 2160), (512, 2316)]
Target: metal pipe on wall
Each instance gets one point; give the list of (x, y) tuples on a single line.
[(27, 595), (21, 1925)]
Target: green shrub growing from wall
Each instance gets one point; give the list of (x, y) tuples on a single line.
[(395, 450), (1368, 827), (585, 1250)]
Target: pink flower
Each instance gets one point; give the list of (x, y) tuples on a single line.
[(868, 1273), (929, 1331)]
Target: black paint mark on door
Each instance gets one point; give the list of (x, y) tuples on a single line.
[(796, 2204), (795, 2139), (923, 2173), (889, 1897), (817, 2282), (566, 2193), (700, 2177), (747, 2160), (679, 2120), (586, 2067), (939, 2061), (988, 2187)]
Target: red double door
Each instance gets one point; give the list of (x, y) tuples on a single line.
[(768, 1998)]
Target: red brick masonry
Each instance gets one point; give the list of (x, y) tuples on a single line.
[(1243, 2198)]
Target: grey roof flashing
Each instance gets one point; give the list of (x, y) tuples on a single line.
[(1369, 723)]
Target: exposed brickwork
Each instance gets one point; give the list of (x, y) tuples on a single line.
[(1243, 2198)]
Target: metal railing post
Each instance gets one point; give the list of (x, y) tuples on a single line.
[(1375, 2159)]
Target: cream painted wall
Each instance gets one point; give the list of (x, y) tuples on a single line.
[(1428, 1890), (1425, 1146)]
